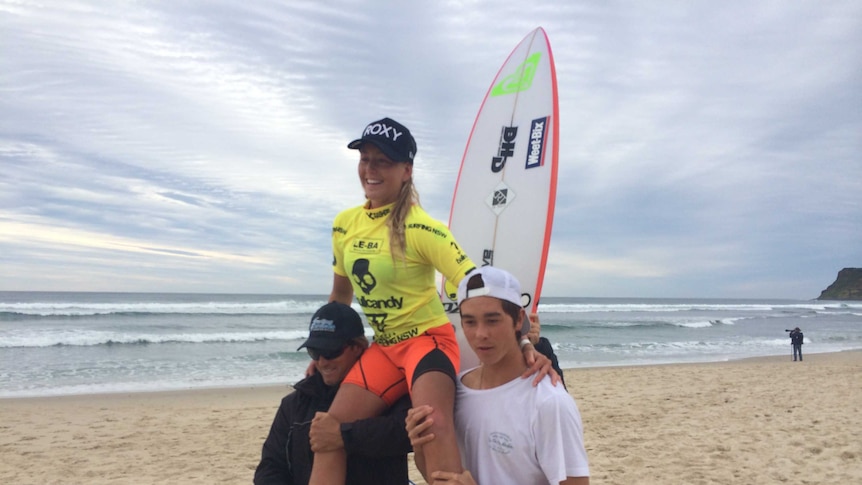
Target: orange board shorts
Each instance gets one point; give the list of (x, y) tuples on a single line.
[(388, 371)]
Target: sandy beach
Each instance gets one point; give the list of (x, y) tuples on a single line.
[(765, 420)]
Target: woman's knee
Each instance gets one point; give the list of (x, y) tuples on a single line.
[(434, 361), (353, 402)]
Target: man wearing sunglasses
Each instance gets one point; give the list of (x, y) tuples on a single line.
[(376, 448)]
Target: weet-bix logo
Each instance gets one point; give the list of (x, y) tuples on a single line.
[(538, 135), (382, 129)]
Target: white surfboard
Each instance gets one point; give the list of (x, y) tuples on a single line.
[(503, 206)]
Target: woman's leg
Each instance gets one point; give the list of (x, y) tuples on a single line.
[(437, 389), (351, 403)]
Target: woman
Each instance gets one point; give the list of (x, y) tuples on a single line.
[(386, 253)]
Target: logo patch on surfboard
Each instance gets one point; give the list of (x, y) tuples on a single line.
[(521, 79), (500, 198), (506, 148), (538, 135)]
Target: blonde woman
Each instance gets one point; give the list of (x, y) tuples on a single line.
[(386, 252)]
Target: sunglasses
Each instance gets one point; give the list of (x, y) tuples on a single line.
[(316, 354)]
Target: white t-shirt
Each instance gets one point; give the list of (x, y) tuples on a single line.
[(517, 433)]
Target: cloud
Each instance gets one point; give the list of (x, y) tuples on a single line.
[(201, 146)]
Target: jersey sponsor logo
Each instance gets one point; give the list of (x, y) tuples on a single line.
[(521, 79), (367, 246), (461, 255), (538, 135), (451, 290), (427, 228), (377, 320), (378, 214), (500, 198), (339, 230), (392, 339), (362, 276), (382, 129), (506, 149), (386, 303)]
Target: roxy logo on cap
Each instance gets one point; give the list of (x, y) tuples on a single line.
[(382, 129), (391, 137)]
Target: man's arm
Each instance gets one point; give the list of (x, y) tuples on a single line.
[(544, 347), (559, 436), (417, 424), (538, 363), (342, 290), (273, 467), (380, 436)]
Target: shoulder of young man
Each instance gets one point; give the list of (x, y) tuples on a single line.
[(551, 393)]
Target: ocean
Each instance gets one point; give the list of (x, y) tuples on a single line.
[(78, 343)]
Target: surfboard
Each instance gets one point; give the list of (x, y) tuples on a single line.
[(503, 205)]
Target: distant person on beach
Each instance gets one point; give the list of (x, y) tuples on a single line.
[(508, 431), (387, 252), (796, 340), (376, 448)]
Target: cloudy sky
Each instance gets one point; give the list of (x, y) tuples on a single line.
[(708, 149)]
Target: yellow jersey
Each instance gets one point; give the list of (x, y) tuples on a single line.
[(398, 297)]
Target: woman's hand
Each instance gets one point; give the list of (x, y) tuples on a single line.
[(309, 371)]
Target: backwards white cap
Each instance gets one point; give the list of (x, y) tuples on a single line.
[(495, 282)]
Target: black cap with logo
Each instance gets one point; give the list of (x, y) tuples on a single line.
[(332, 326), (391, 137)]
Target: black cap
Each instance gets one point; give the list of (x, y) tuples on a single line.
[(391, 137), (332, 326)]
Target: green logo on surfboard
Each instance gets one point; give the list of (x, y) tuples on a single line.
[(521, 79)]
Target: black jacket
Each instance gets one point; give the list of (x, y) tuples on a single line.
[(796, 338), (544, 347), (376, 448)]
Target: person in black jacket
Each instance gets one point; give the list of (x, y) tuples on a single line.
[(544, 346), (796, 339), (376, 448)]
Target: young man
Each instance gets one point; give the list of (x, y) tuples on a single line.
[(508, 431), (376, 448)]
